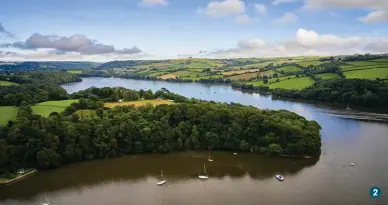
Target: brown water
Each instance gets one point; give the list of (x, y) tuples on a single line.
[(241, 179)]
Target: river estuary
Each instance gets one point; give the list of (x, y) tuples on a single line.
[(233, 179)]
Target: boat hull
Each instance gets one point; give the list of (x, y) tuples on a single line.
[(280, 178), (203, 177), (161, 182)]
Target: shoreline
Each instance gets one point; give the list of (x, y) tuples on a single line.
[(19, 178)]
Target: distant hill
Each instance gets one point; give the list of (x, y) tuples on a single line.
[(129, 63), (47, 65)]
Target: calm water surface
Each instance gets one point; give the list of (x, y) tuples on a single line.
[(241, 179)]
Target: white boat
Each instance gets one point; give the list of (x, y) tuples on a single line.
[(162, 181), (352, 164), (203, 176), (280, 177), (235, 153), (210, 160)]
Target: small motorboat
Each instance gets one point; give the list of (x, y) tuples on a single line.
[(203, 177), (209, 159), (280, 177), (235, 153), (352, 164), (162, 181)]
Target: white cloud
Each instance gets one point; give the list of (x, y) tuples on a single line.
[(305, 42), (243, 19), (287, 17), (261, 9), (311, 39), (224, 8), (346, 4), (276, 2), (375, 16), (153, 3)]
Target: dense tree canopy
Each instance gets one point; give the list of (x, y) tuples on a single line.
[(348, 91), (35, 87), (34, 141)]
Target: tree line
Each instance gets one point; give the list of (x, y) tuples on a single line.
[(359, 92)]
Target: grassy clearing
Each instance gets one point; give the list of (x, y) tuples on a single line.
[(240, 71), (289, 68), (156, 74), (272, 80), (327, 76), (45, 111), (46, 108), (364, 63), (7, 113), (245, 76), (167, 76), (60, 103), (138, 103), (185, 73), (371, 74), (296, 83), (6, 83), (204, 77), (198, 64), (255, 65), (75, 71), (267, 73), (381, 60), (307, 63)]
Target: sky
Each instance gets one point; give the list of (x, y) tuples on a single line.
[(105, 30)]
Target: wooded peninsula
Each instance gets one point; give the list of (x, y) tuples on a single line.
[(86, 129)]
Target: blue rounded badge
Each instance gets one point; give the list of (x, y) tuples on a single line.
[(375, 192)]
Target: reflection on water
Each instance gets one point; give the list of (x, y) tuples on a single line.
[(177, 168)]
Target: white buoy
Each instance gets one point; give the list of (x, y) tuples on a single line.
[(352, 164)]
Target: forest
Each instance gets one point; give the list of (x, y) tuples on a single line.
[(35, 87), (189, 124), (359, 92)]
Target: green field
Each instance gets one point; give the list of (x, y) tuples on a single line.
[(296, 83), (371, 74), (364, 63), (289, 68), (46, 108), (7, 83), (272, 80), (307, 63), (327, 76), (7, 113), (185, 73), (381, 60), (75, 71)]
